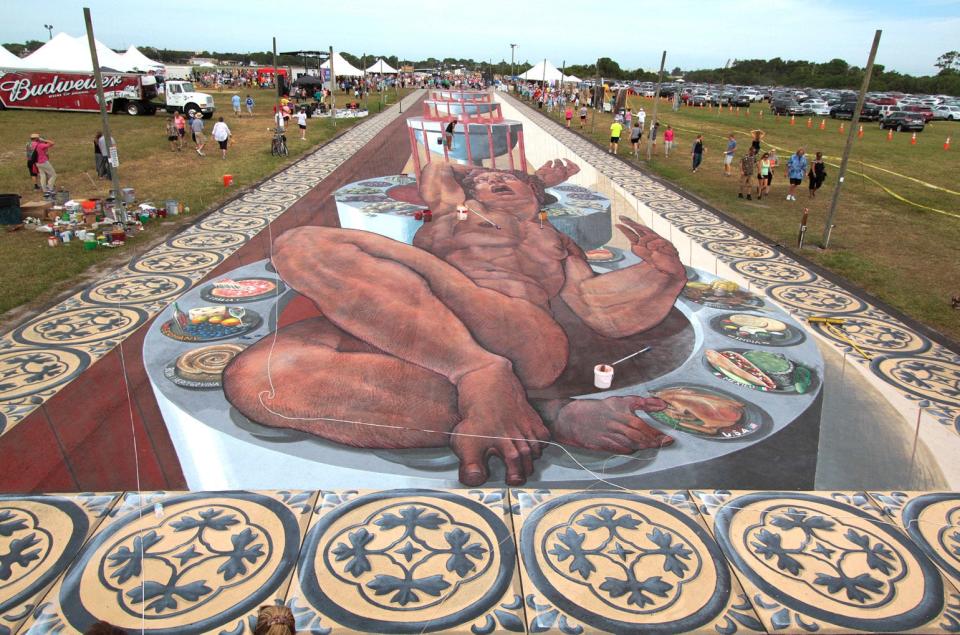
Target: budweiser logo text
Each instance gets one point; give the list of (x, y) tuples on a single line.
[(21, 88)]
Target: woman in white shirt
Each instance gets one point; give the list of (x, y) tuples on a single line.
[(221, 134), (302, 122)]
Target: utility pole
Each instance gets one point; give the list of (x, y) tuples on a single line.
[(596, 93), (828, 227), (513, 70), (656, 103), (333, 83), (119, 206), (276, 77), (49, 28)]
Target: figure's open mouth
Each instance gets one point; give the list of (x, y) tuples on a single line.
[(501, 189)]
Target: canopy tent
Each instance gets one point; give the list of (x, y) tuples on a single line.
[(9, 60), (543, 71), (136, 60), (342, 67), (381, 67), (572, 79), (66, 53)]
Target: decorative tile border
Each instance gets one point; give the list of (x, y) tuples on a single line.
[(42, 356), (922, 372), (482, 561)]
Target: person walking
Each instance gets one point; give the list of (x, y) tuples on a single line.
[(728, 155), (448, 133), (615, 129), (817, 174), (32, 163), (764, 175), (583, 116), (568, 115), (249, 105), (758, 136), (235, 102), (668, 138), (221, 134), (642, 118), (796, 169), (748, 168), (181, 125), (697, 154), (636, 134), (196, 127), (302, 123), (48, 176)]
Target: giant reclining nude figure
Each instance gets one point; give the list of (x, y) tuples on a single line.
[(447, 335)]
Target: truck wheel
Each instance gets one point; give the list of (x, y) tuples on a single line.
[(134, 108), (191, 109)]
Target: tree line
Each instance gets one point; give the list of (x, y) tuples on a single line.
[(773, 72)]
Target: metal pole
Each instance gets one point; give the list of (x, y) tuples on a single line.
[(513, 70), (596, 92), (563, 78), (851, 135), (114, 164), (333, 83), (656, 103), (276, 76), (544, 81)]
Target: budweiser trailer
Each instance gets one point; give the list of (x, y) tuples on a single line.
[(132, 93)]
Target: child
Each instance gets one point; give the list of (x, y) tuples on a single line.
[(250, 105), (172, 134)]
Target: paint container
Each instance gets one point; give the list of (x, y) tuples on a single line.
[(461, 213), (227, 180), (89, 245), (129, 195), (66, 236), (172, 207), (602, 376)]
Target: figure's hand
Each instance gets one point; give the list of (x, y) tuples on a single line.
[(496, 420), (557, 171), (653, 248), (609, 425)]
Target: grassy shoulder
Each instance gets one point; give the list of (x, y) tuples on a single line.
[(897, 231), (33, 273)]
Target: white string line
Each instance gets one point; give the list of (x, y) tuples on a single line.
[(136, 467)]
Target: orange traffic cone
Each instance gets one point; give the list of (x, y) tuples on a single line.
[(946, 144), (890, 134), (860, 132), (823, 124), (809, 122), (841, 127), (913, 139), (791, 119)]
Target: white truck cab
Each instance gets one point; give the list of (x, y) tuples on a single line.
[(180, 96)]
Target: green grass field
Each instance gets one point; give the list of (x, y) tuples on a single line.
[(34, 273), (897, 231)]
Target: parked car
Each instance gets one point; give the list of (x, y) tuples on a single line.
[(813, 107), (926, 111), (742, 101), (947, 112), (844, 110), (785, 107), (901, 120)]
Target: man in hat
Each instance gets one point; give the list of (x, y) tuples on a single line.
[(196, 125), (48, 176)]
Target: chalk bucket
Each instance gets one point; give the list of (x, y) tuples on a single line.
[(89, 245), (602, 375), (129, 194), (171, 206), (66, 236), (227, 180)]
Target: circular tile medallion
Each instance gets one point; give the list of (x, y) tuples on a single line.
[(207, 240), (774, 271), (132, 289), (813, 299), (932, 521), (205, 563), (46, 532), (877, 335), (740, 249), (26, 372), (934, 379), (233, 223), (176, 261), (624, 563), (407, 560), (830, 561), (81, 326)]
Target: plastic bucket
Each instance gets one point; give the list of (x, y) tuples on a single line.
[(171, 207), (89, 245), (129, 195), (602, 376), (227, 180)]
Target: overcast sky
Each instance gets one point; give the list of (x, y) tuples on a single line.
[(696, 34)]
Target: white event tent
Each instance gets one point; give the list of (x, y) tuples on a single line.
[(66, 53), (381, 67), (342, 67), (9, 60), (546, 71), (136, 60)]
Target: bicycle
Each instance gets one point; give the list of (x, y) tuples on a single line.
[(279, 146)]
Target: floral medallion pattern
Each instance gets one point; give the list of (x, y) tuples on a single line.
[(830, 561), (136, 289), (740, 249), (207, 240), (774, 271), (814, 299), (623, 562), (931, 379), (880, 336), (410, 560), (29, 371), (176, 261), (713, 232), (234, 223), (187, 564), (81, 326), (933, 522)]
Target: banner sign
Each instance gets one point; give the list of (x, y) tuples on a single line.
[(64, 91)]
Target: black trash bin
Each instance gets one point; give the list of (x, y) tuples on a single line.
[(9, 209)]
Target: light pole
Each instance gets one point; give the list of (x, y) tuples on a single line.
[(49, 28), (513, 70)]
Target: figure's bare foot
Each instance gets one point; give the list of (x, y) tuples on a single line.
[(609, 425), (496, 420)]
